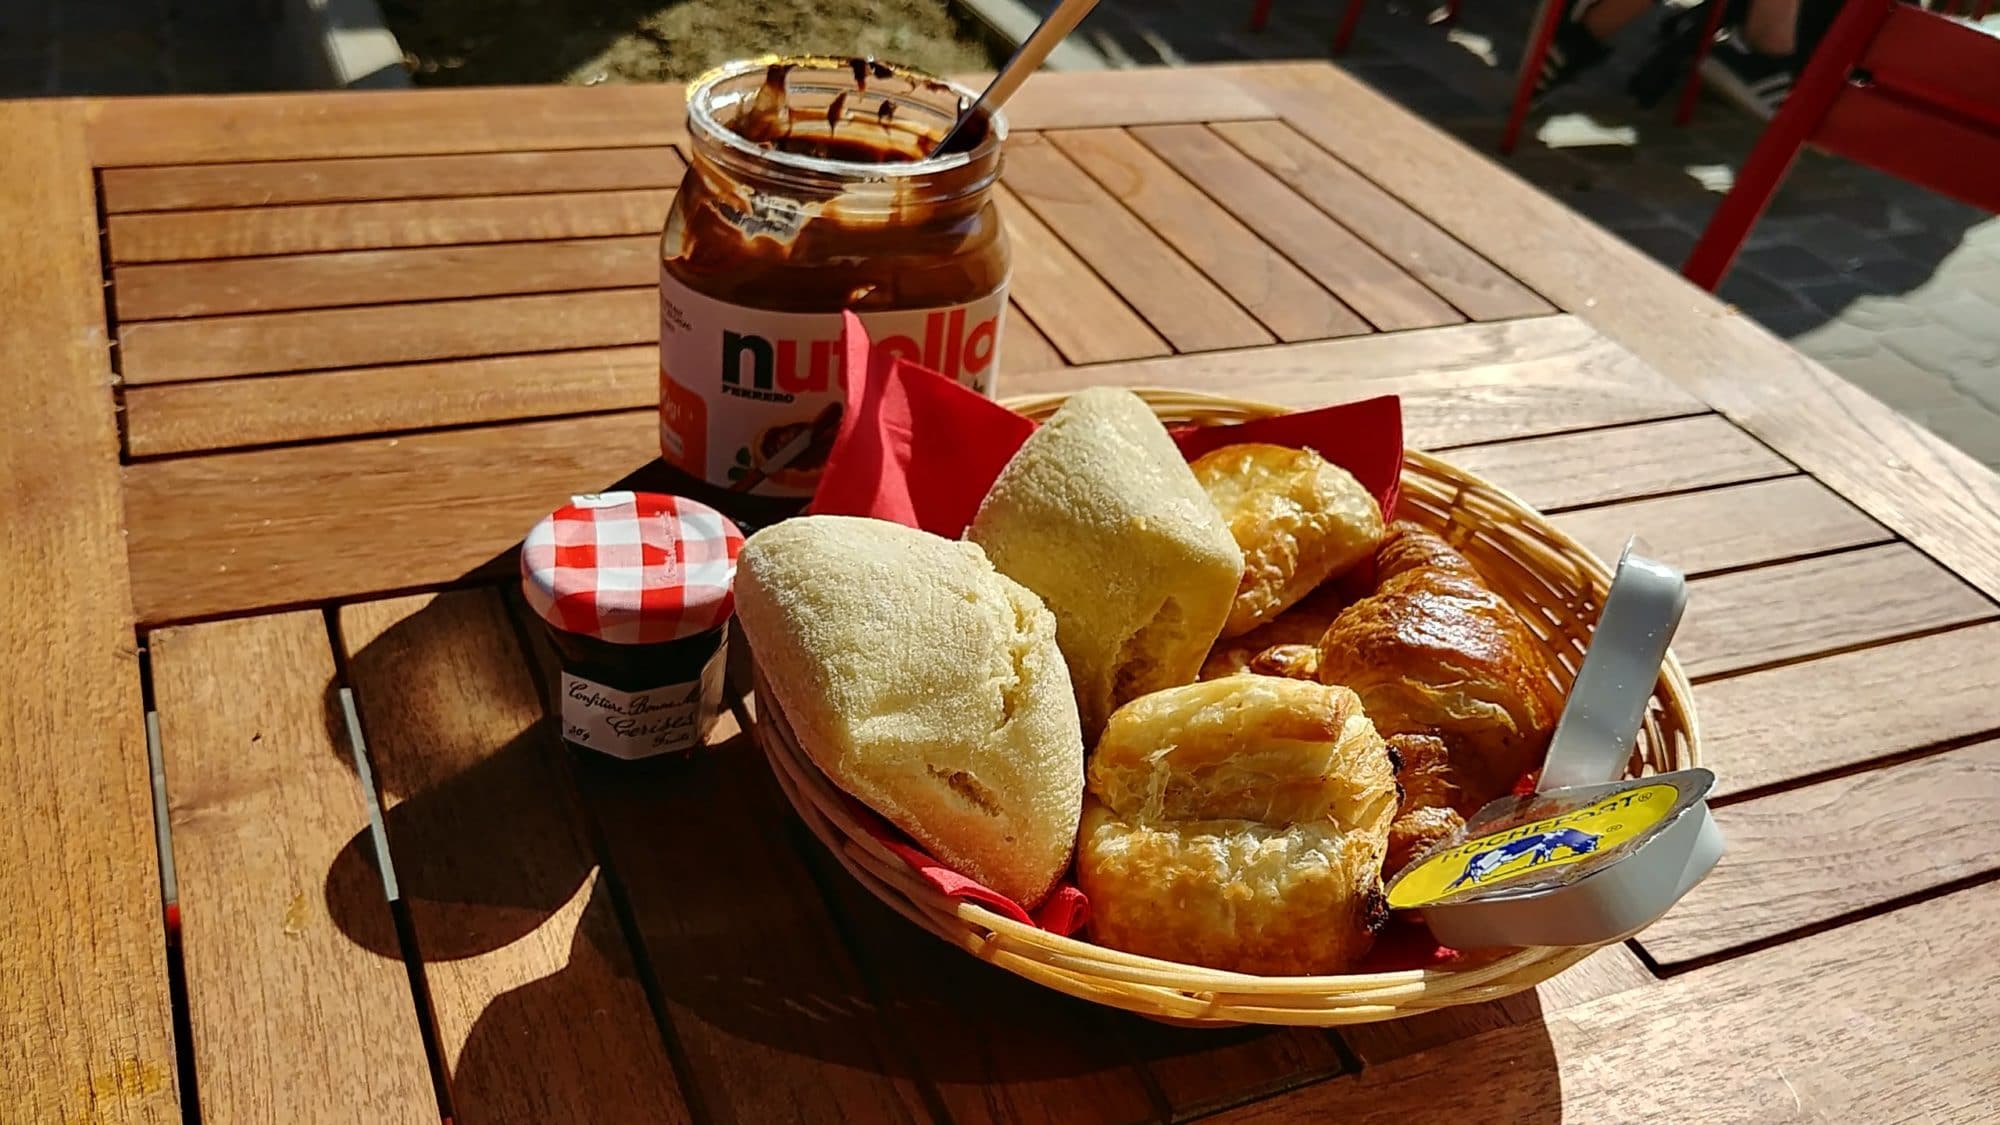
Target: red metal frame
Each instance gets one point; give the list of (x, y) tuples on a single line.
[(1547, 17), (1893, 86), (1691, 89), (1260, 15)]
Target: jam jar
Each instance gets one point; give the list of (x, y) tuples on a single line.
[(637, 592), (815, 185)]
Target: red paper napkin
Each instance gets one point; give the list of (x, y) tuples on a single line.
[(918, 449)]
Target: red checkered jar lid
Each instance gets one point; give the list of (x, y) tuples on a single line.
[(632, 568)]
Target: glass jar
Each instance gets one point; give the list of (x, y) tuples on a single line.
[(814, 186), (637, 591)]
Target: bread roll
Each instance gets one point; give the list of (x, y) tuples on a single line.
[(1100, 515), (1240, 824), (924, 684), (1299, 518), (1435, 651)]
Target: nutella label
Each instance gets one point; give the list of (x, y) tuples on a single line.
[(641, 724), (749, 397)]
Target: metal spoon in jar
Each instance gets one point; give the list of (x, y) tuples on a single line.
[(1026, 58)]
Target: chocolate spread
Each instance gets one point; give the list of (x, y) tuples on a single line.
[(813, 187)]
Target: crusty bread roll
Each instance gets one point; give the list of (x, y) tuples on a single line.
[(1435, 651), (1240, 824), (1299, 518), (924, 684), (1100, 515)]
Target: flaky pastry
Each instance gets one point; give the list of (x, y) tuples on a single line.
[(1299, 518), (1239, 823)]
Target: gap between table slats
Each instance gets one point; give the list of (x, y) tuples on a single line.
[(743, 960), (291, 1015), (539, 1013), (1928, 1002), (1806, 856)]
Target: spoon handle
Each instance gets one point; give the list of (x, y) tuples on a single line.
[(1026, 58)]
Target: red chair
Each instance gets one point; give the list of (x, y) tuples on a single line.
[(1892, 86)]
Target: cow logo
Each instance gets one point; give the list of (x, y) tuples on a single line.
[(1585, 831), (1539, 848)]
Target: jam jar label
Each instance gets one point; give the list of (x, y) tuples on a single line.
[(745, 394), (640, 724)]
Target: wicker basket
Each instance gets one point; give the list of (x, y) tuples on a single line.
[(1555, 584)]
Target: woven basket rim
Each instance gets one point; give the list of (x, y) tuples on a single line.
[(1195, 994)]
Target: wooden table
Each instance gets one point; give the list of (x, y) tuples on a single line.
[(288, 376)]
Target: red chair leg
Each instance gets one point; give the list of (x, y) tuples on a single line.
[(1980, 8), (1692, 90), (1797, 120), (1451, 11), (1350, 18), (1543, 33), (1260, 14)]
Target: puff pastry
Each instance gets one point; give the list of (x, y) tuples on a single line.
[(1299, 518), (926, 685), (1435, 651), (1239, 823), (1099, 514), (1279, 646), (1426, 798)]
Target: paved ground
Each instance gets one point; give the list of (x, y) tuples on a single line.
[(1895, 288)]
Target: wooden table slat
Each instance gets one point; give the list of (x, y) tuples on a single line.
[(1770, 727), (162, 351), (84, 1010), (539, 1011), (1023, 347), (995, 1047), (294, 1017), (1072, 306), (1460, 385), (1626, 462), (1259, 278), (184, 417), (1180, 303), (1775, 613), (1922, 488), (1607, 972), (378, 277), (353, 180), (257, 529), (1366, 281), (1479, 289), (1800, 857), (264, 127), (1886, 1019), (769, 1011), (175, 236), (1200, 1070), (1723, 528)]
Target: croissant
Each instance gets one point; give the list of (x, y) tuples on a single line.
[(1435, 651)]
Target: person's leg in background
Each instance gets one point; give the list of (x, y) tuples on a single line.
[(1756, 64), (1583, 38)]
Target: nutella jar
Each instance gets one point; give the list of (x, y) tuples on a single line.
[(815, 186), (637, 591)]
